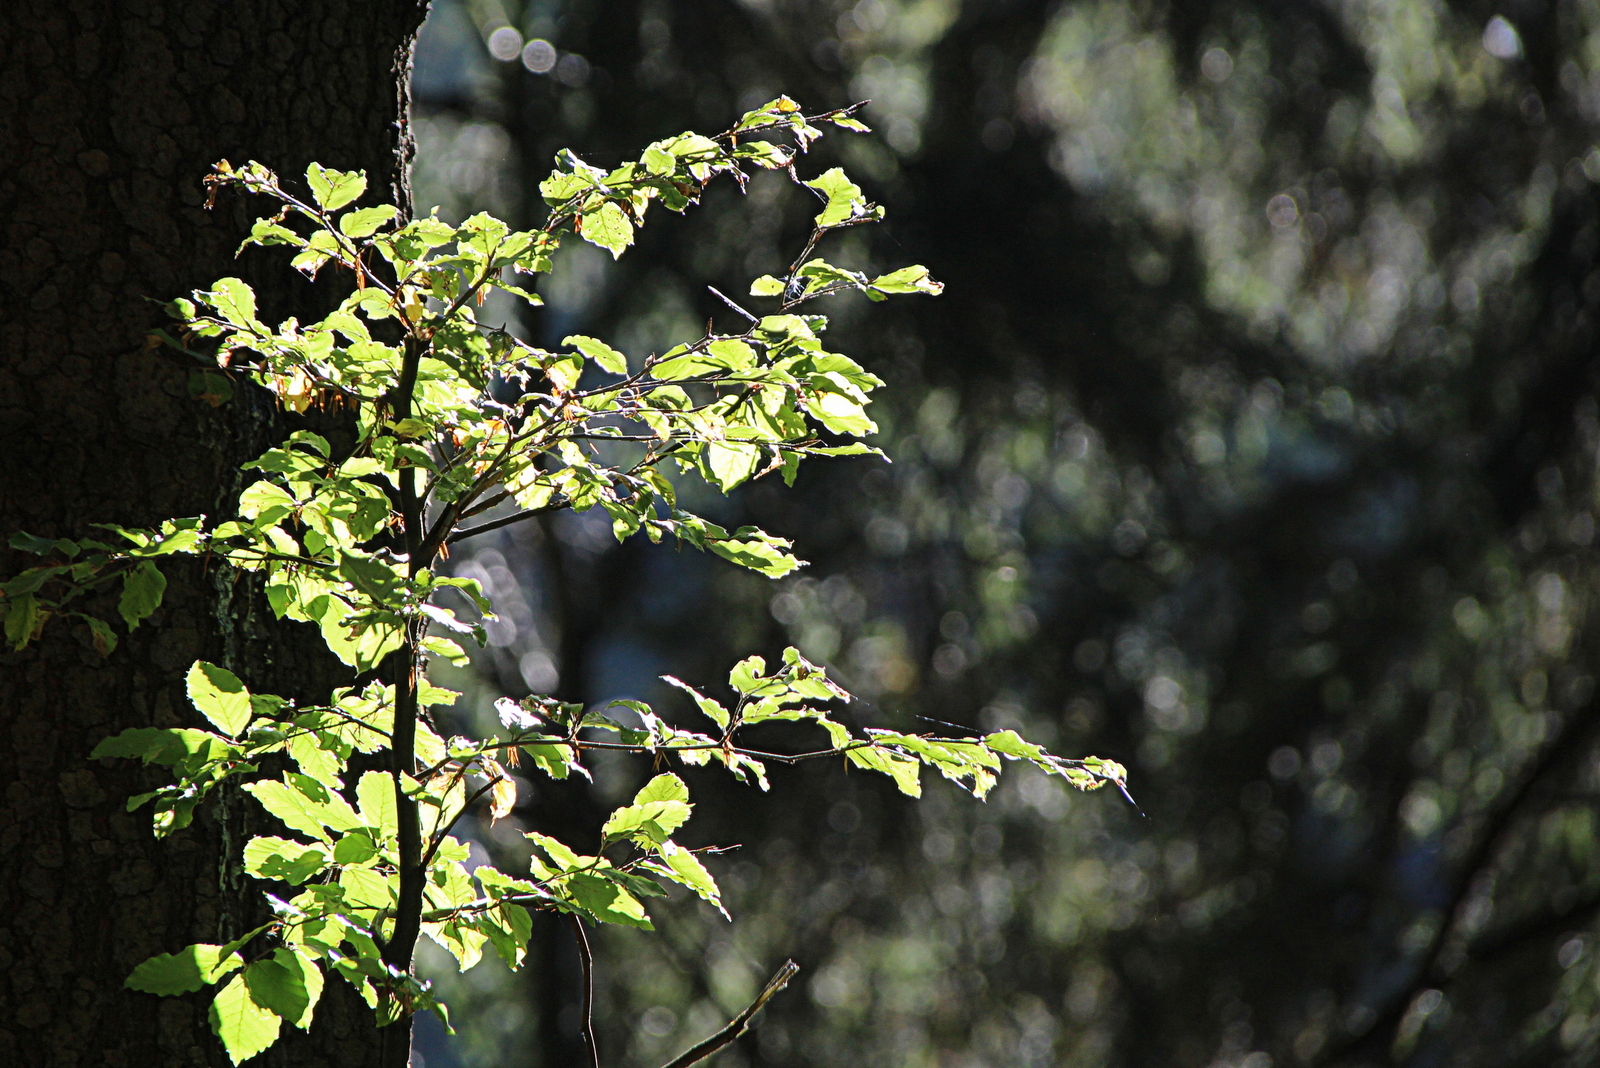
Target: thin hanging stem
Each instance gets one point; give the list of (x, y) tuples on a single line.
[(588, 990)]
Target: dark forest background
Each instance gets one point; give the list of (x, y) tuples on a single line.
[(1253, 443)]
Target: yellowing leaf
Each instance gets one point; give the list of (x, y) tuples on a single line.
[(503, 794)]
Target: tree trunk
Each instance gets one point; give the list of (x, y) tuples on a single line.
[(111, 112)]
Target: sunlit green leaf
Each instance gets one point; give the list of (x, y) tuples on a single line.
[(244, 1027), (608, 227), (220, 697), (178, 973), (375, 794), (607, 357), (842, 195), (364, 222), (333, 189)]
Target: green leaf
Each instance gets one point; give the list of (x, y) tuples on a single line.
[(270, 857), (749, 547), (559, 852), (609, 228), (220, 697), (289, 806), (312, 979), (211, 387), (607, 357), (265, 503), (749, 675), (908, 280), (606, 901), (727, 354), (334, 189), (843, 197), (234, 300), (728, 463), (666, 787), (449, 650), (564, 372), (654, 820), (283, 984), (765, 154), (659, 161), (105, 640), (1012, 744), (905, 771), (364, 222), (305, 805), (687, 870), (32, 543), (142, 588), (313, 760), (22, 619), (841, 414), (155, 745), (178, 973), (375, 795), (766, 286), (711, 708), (365, 888), (354, 848), (244, 1026), (372, 576), (509, 927)]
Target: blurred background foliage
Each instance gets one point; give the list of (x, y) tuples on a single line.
[(1253, 444)]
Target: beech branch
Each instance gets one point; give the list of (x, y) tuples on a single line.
[(740, 1023)]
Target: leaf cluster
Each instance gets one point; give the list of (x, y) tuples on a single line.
[(349, 541)]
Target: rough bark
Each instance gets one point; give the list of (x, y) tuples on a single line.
[(111, 112)]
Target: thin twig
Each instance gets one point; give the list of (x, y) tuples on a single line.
[(484, 528), (588, 989), (440, 835), (732, 305), (740, 1023)]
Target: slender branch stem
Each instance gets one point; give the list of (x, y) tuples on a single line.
[(732, 305), (404, 664), (484, 506), (740, 1023), (496, 524), (588, 990), (443, 832)]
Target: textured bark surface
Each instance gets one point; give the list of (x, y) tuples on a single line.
[(111, 112)]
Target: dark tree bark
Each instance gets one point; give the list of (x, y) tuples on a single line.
[(111, 112)]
